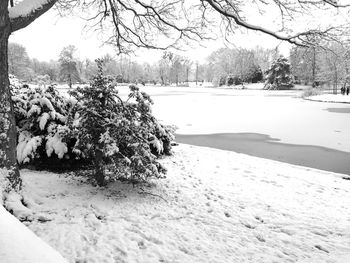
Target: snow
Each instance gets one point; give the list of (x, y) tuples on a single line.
[(13, 203), (157, 144), (26, 7), (27, 146), (43, 120), (20, 245), (46, 102), (330, 98), (214, 206), (34, 109), (55, 144)]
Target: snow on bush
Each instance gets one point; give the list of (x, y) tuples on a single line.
[(95, 126), (41, 114), (27, 146), (55, 140), (122, 138)]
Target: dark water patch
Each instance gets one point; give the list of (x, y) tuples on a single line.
[(339, 110), (262, 145)]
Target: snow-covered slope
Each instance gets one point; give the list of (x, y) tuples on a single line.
[(20, 245), (214, 206)]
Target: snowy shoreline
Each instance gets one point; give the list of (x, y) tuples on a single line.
[(263, 146), (331, 98), (214, 206)]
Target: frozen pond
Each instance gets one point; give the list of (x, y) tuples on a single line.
[(277, 125)]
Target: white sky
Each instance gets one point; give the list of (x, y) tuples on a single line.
[(45, 38)]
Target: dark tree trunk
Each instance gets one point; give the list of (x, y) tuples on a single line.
[(8, 135), (99, 170)]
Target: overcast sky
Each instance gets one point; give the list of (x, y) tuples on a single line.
[(45, 38)]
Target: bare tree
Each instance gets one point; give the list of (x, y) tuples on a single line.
[(140, 23), (19, 62), (333, 65)]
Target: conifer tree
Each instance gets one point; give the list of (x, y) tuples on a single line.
[(279, 76)]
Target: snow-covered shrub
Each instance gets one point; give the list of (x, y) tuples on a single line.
[(279, 75), (118, 136), (41, 115)]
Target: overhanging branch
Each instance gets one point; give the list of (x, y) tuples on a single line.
[(24, 20)]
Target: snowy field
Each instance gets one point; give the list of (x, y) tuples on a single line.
[(214, 206)]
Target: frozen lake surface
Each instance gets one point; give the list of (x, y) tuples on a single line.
[(277, 125)]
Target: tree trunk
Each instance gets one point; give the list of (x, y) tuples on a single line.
[(313, 65), (197, 73), (99, 170), (8, 134)]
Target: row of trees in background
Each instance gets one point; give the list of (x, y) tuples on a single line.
[(313, 65), (224, 66)]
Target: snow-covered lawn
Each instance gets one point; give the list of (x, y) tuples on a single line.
[(20, 245), (330, 98), (214, 206)]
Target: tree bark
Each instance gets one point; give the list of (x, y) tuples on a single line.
[(8, 134), (99, 170)]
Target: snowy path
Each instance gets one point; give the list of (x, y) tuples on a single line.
[(214, 206)]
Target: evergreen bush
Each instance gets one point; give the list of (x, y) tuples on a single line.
[(122, 138), (119, 139), (41, 115)]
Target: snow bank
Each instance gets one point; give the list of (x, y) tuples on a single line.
[(330, 98), (20, 245), (214, 206)]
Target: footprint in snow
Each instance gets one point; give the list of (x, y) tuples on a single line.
[(227, 214), (259, 219), (247, 225), (141, 245), (260, 238), (321, 248)]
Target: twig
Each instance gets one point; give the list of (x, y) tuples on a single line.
[(148, 193)]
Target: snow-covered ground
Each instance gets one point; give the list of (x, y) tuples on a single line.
[(214, 206), (338, 98), (20, 245)]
